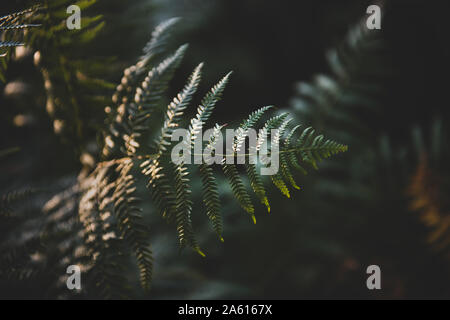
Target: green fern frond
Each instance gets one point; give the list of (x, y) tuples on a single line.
[(210, 189), (156, 83), (211, 198), (176, 109), (211, 194), (170, 183), (272, 123), (159, 39), (313, 149), (241, 134), (284, 163), (208, 103), (277, 178), (205, 110), (254, 117), (304, 140), (238, 188), (210, 148), (257, 185), (162, 192), (280, 184), (130, 222), (147, 99), (291, 156), (183, 209), (290, 159), (249, 123), (132, 75)]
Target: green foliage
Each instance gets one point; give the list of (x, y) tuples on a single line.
[(71, 73), (428, 185), (389, 174), (351, 95)]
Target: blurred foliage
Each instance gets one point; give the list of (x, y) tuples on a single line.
[(75, 69), (371, 101), (429, 187), (70, 72)]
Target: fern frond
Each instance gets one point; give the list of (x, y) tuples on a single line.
[(176, 109), (314, 149), (272, 123), (147, 100), (304, 140), (132, 75), (279, 183), (257, 185), (130, 222), (241, 134), (184, 210), (208, 103), (159, 38), (277, 178), (211, 195), (156, 83), (238, 188), (210, 189), (205, 109), (249, 123), (284, 163), (290, 159), (110, 203), (152, 167), (291, 156), (210, 148), (211, 198)]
